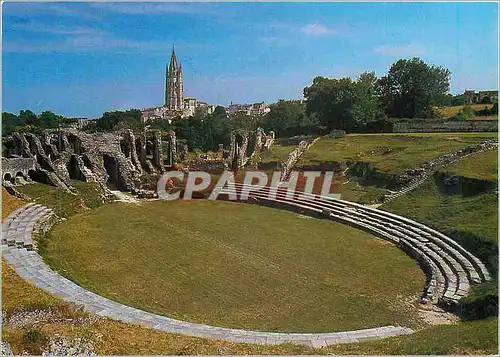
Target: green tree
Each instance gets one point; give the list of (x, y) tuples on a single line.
[(48, 119), (343, 103), (458, 99), (218, 128), (494, 108), (289, 118), (116, 120), (412, 87), (27, 117), (486, 100), (9, 123), (366, 106), (466, 113)]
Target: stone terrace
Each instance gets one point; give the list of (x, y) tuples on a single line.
[(451, 269)]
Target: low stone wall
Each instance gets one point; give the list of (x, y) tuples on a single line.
[(430, 126), (14, 166)]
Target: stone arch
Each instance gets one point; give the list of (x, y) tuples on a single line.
[(7, 177), (21, 174), (75, 144), (149, 149), (111, 166), (74, 169), (86, 162)]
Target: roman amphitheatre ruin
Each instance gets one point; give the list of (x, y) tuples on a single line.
[(271, 271)]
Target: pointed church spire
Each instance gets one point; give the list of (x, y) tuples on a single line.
[(173, 85), (173, 60)]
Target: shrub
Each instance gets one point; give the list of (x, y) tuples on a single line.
[(34, 341), (465, 114), (482, 302)]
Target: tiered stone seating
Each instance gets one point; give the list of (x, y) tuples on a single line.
[(31, 267), (450, 268), (18, 227)]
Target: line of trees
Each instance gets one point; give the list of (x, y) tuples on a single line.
[(410, 89), (27, 121)]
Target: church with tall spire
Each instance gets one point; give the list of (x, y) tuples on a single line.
[(175, 104), (174, 99)]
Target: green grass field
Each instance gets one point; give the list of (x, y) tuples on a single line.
[(238, 265), (112, 337), (392, 153), (271, 158), (481, 166), (476, 214)]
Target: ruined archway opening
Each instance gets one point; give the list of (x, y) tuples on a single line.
[(8, 177), (138, 146), (251, 144), (111, 166), (149, 150), (74, 169), (39, 176), (75, 144), (86, 162), (19, 178), (125, 148)]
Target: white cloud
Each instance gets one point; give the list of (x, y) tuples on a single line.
[(152, 8), (312, 29), (56, 30), (80, 39), (316, 30), (401, 50)]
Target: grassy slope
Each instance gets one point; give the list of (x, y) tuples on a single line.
[(10, 203), (237, 265), (406, 150), (474, 214), (481, 166), (448, 112), (426, 204), (65, 204)]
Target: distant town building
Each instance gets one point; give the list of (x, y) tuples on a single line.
[(175, 105), (473, 97), (250, 109), (205, 107)]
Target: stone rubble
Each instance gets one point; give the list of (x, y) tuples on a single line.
[(5, 350), (60, 346)]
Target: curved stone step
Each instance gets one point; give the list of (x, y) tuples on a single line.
[(456, 282)]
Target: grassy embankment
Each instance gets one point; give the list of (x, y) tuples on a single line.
[(449, 112), (388, 154)]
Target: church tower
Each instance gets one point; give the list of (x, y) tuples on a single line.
[(173, 84)]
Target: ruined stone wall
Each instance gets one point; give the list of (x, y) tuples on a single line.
[(15, 167), (292, 159), (116, 159)]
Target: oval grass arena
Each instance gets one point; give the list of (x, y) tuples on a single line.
[(238, 265)]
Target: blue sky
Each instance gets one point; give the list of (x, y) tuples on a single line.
[(81, 59)]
